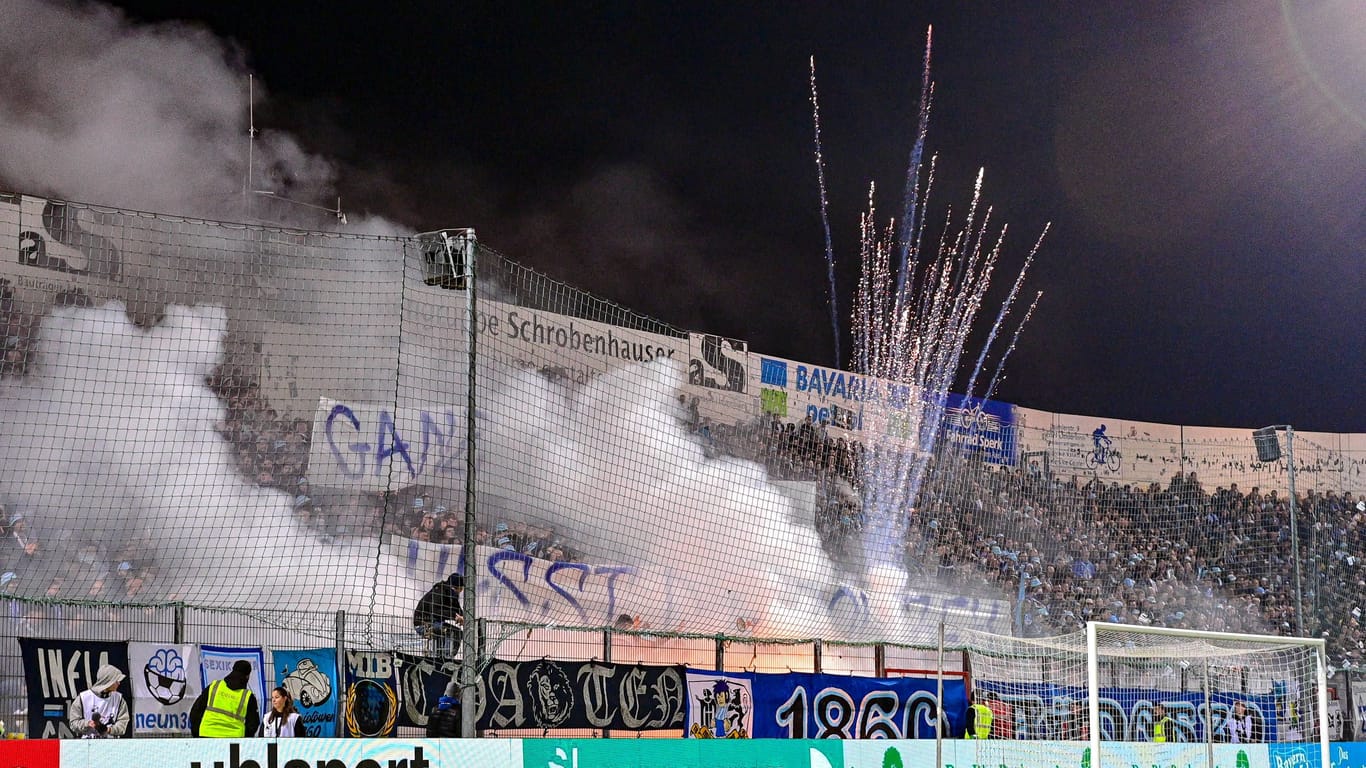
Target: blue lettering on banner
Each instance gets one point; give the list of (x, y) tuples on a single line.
[(819, 706), (438, 454), (1038, 711), (513, 574), (982, 428)]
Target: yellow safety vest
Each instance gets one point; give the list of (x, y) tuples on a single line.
[(981, 722), (225, 712), (1160, 730)]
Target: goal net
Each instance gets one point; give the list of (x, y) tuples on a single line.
[(1139, 695)]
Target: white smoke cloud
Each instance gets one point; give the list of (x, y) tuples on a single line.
[(94, 107)]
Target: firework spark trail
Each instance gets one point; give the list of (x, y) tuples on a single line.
[(1000, 364), (910, 201), (1001, 317), (825, 214), (913, 313)]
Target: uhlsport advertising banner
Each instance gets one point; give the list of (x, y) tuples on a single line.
[(817, 706), (421, 682), (371, 705), (545, 694), (285, 753), (215, 662), (56, 671), (164, 681), (311, 678)]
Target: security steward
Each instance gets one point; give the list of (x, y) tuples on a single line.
[(979, 720), (227, 709), (1163, 730)]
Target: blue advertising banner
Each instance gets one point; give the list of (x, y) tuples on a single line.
[(811, 706), (311, 678), (982, 428), (56, 671), (1047, 711)]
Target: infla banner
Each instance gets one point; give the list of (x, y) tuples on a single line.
[(56, 671), (311, 678), (164, 681)]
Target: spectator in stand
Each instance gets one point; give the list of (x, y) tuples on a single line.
[(444, 721), (99, 712)]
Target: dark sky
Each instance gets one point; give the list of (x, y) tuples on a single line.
[(1203, 165)]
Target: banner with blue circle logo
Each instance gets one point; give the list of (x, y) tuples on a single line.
[(164, 681)]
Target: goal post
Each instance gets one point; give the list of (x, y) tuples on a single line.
[(1122, 695), (1275, 685)]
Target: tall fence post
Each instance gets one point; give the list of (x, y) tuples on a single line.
[(816, 661), (720, 653), (178, 631), (880, 660), (606, 659), (339, 637)]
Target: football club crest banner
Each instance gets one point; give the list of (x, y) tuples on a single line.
[(720, 705), (164, 682), (215, 662), (310, 676), (546, 694), (56, 671), (421, 682), (371, 705)]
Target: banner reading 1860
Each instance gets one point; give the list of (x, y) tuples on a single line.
[(807, 706)]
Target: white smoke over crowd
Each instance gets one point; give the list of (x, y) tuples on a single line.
[(112, 440)]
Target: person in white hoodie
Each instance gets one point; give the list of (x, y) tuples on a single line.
[(99, 712)]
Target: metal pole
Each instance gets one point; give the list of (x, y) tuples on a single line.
[(939, 705), (1294, 530), (816, 656), (340, 639), (469, 636), (179, 618), (880, 660), (1209, 721)]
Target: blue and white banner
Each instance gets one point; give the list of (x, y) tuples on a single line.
[(816, 706), (164, 681), (215, 662), (720, 705), (371, 704), (981, 428), (311, 678), (1040, 711)]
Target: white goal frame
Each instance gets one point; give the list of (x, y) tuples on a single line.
[(1093, 673)]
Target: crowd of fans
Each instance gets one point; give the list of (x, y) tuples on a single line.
[(1073, 550), (1066, 550)]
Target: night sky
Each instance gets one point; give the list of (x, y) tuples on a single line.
[(1203, 165)]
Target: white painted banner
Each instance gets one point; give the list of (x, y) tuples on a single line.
[(165, 680)]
